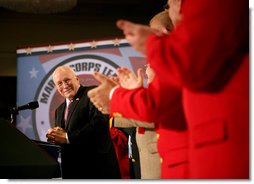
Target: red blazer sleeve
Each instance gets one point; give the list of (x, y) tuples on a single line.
[(148, 104), (202, 53), (206, 48)]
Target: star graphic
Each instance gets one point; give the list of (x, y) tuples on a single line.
[(33, 73), (71, 46), (24, 123), (93, 44), (50, 49), (116, 42), (28, 51)]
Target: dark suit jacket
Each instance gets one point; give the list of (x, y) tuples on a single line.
[(90, 153)]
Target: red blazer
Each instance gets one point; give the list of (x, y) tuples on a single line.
[(206, 57), (120, 142), (170, 123)]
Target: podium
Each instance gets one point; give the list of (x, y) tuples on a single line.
[(55, 152), (22, 158)]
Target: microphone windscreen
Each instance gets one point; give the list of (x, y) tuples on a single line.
[(33, 105)]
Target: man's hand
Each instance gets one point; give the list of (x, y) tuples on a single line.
[(137, 34), (99, 96), (56, 135)]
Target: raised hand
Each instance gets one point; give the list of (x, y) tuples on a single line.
[(99, 96), (128, 79), (137, 34)]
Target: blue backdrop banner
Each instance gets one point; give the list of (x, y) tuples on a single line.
[(35, 66)]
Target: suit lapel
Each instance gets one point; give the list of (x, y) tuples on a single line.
[(72, 108), (60, 120)]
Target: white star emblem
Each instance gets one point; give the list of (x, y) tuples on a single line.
[(50, 49), (33, 73), (24, 123), (93, 44), (28, 51), (116, 42), (71, 47)]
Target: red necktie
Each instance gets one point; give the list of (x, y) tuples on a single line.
[(67, 111)]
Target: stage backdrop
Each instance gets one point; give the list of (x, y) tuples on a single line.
[(34, 76)]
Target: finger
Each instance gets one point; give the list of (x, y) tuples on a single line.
[(100, 108), (50, 137), (159, 32), (97, 105), (100, 77), (122, 24), (104, 109), (58, 128), (140, 76), (49, 131), (126, 26), (115, 79), (122, 71), (164, 30), (91, 95)]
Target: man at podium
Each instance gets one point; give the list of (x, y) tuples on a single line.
[(82, 131)]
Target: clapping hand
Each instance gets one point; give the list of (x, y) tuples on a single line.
[(128, 80), (99, 96)]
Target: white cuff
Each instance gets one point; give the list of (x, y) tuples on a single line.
[(112, 91)]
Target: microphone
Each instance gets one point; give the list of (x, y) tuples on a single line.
[(30, 105), (15, 110)]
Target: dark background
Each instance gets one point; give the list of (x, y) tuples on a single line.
[(88, 20)]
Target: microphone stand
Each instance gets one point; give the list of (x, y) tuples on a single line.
[(14, 112)]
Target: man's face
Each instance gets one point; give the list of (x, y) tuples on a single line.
[(174, 11), (67, 83)]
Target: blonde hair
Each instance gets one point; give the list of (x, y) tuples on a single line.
[(164, 19)]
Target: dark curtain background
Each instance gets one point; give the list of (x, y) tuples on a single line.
[(8, 96)]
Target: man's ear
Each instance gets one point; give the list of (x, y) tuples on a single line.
[(77, 78)]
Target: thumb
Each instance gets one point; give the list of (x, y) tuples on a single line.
[(125, 25), (120, 24), (100, 77)]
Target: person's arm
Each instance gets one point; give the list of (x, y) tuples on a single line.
[(206, 48), (200, 54), (144, 104), (127, 123)]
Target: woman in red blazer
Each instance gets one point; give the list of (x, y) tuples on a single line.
[(207, 57)]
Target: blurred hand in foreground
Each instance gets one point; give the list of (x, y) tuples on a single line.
[(99, 96), (128, 79), (137, 34)]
